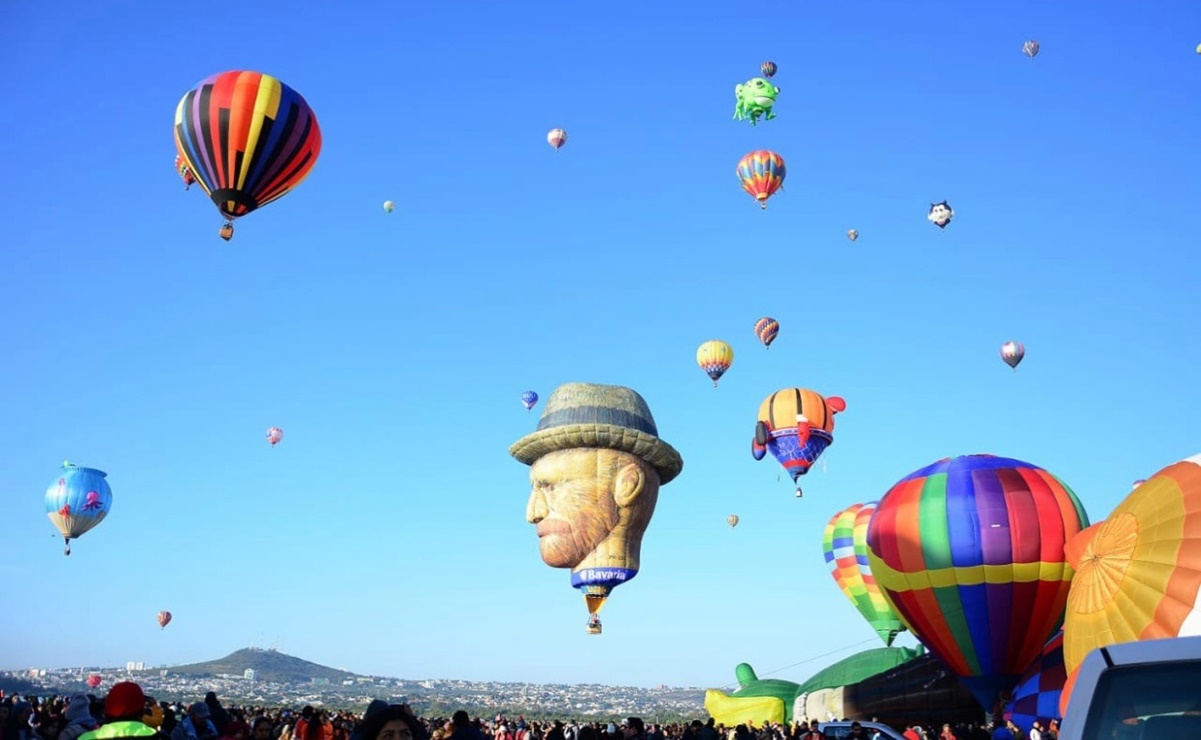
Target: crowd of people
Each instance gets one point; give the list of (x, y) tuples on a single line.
[(127, 712)]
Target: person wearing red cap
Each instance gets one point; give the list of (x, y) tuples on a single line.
[(124, 708)]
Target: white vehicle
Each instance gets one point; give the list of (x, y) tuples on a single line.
[(840, 730), (1146, 690)]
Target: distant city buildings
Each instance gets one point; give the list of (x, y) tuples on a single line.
[(135, 666)]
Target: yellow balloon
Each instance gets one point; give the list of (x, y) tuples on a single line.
[(715, 357)]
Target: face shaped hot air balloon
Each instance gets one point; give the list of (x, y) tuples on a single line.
[(715, 357), (529, 399), (556, 137), (274, 435), (248, 138), (761, 174), (845, 546), (766, 329), (77, 500), (796, 425), (1138, 573), (940, 214), (970, 553), (1036, 696), (1012, 354), (164, 618)]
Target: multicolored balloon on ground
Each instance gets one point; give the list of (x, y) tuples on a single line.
[(529, 399), (715, 357), (970, 552), (1036, 696), (844, 544), (274, 435), (248, 138), (762, 173), (1030, 48), (556, 137), (77, 500), (796, 425), (768, 69), (164, 619), (766, 329), (1138, 573), (1012, 354)]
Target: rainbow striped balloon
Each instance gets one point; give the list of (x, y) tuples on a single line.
[(970, 552), (845, 545), (762, 173)]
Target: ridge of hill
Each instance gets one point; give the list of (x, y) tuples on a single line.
[(268, 665)]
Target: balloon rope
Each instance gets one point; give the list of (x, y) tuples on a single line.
[(816, 657)]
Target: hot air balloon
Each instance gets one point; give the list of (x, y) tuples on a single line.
[(766, 329), (248, 138), (184, 173), (164, 619), (715, 357), (768, 69), (940, 214), (1036, 696), (796, 425), (556, 137), (529, 399), (761, 174), (1012, 354), (274, 435), (1030, 48), (389, 206), (1138, 573), (93, 680), (845, 546), (853, 235), (732, 520), (1137, 483), (969, 552), (77, 500)]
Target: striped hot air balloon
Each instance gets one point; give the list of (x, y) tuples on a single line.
[(768, 69), (761, 173), (766, 329), (1036, 696), (970, 552), (844, 544), (715, 357)]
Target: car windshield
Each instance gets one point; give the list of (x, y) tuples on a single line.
[(1145, 702)]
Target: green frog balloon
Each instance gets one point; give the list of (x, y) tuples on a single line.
[(755, 99)]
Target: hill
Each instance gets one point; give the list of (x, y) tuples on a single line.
[(268, 665)]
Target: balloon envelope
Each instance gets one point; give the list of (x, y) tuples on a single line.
[(164, 618), (766, 329), (529, 399), (389, 206), (761, 173), (247, 138), (1138, 573), (844, 544), (768, 69), (796, 425), (715, 357), (732, 520), (78, 500), (556, 137), (93, 680), (1036, 696), (970, 552), (274, 435), (1012, 354)]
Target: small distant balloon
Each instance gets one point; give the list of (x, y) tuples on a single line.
[(1012, 354), (767, 329), (768, 69), (715, 357), (852, 235), (164, 619), (274, 435), (556, 137), (1137, 483), (389, 206), (732, 520), (529, 399), (1030, 48), (940, 214), (93, 680), (1199, 48)]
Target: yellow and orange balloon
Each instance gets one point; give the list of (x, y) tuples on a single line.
[(715, 357)]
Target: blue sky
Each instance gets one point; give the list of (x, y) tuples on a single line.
[(386, 533)]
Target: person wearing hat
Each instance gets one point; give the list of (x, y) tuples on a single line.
[(596, 464), (123, 710), (197, 725)]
